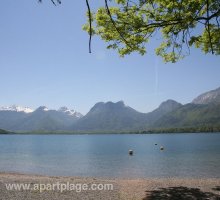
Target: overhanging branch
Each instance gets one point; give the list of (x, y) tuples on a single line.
[(114, 24), (90, 26)]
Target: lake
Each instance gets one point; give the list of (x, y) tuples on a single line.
[(184, 155)]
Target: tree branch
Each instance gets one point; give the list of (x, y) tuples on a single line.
[(90, 26), (209, 17), (208, 26), (116, 28)]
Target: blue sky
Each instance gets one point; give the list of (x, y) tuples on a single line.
[(44, 60)]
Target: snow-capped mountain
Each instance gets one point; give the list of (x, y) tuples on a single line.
[(42, 118), (62, 109), (69, 112), (16, 109)]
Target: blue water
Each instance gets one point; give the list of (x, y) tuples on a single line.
[(185, 155)]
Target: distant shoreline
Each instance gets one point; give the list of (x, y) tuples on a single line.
[(124, 133), (123, 189), (162, 131), (52, 133)]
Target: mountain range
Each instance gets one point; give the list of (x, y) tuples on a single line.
[(16, 118), (204, 110)]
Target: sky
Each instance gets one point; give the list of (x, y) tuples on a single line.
[(44, 60)]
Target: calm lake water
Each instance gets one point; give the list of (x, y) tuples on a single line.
[(185, 155)]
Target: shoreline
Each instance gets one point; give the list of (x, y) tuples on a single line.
[(27, 174), (123, 189), (103, 133)]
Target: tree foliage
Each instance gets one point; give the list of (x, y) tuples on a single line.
[(127, 26)]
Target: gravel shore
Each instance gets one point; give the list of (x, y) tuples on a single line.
[(123, 189)]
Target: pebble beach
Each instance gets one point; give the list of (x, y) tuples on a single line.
[(123, 189)]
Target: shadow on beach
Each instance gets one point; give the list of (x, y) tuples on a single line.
[(180, 193), (217, 188)]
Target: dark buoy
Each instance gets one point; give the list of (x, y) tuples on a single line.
[(130, 152), (155, 144), (161, 148)]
